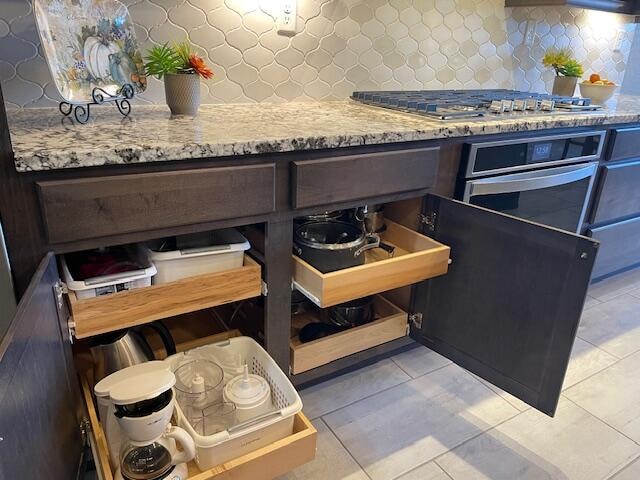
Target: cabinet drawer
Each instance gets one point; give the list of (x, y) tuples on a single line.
[(84, 208), (416, 258), (619, 246), (339, 179), (618, 195), (93, 316), (390, 323), (265, 463), (624, 143)]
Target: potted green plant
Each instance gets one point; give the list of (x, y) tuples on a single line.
[(181, 69), (567, 69)]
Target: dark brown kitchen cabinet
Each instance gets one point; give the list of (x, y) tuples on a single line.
[(338, 179), (43, 431), (509, 306), (82, 208), (39, 394), (618, 194), (624, 143), (619, 247)]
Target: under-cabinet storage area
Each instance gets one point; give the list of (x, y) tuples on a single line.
[(388, 323), (263, 463), (105, 300), (416, 257)]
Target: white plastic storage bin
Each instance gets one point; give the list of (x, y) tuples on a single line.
[(197, 254), (237, 441), (117, 282)]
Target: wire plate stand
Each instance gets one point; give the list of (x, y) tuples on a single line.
[(82, 111)]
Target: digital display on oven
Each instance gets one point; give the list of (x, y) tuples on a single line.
[(541, 151)]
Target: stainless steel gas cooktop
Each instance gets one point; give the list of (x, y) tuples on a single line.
[(455, 104)]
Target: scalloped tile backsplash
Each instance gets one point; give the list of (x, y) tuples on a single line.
[(341, 46)]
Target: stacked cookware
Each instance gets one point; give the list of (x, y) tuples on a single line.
[(332, 241)]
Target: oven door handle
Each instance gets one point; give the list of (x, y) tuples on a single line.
[(520, 182)]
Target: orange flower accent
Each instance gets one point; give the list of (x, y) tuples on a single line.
[(199, 66)]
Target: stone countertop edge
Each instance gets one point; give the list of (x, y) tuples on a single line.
[(41, 140)]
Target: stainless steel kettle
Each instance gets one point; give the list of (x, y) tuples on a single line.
[(117, 350)]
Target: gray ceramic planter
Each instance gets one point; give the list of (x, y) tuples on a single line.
[(565, 86), (182, 92)]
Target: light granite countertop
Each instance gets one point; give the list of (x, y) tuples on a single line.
[(42, 141)]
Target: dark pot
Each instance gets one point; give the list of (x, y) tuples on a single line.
[(352, 314), (331, 245)]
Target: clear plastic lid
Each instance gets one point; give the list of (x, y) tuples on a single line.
[(247, 390), (199, 381)]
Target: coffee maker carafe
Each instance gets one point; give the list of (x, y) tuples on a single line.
[(143, 404)]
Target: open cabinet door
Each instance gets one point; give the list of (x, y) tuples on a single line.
[(509, 307), (39, 396)]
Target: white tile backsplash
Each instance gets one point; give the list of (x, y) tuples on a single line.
[(341, 46)]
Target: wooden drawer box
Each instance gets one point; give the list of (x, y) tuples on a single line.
[(416, 258), (618, 194), (619, 246), (85, 208), (265, 463), (624, 143), (93, 316), (339, 179), (390, 323)]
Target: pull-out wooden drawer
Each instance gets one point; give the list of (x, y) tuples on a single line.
[(416, 258), (390, 323), (339, 179), (618, 195), (85, 208), (265, 463), (93, 316), (619, 246), (624, 143)]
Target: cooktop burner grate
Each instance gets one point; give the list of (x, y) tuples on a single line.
[(452, 104)]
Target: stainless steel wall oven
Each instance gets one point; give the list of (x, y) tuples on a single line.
[(545, 179)]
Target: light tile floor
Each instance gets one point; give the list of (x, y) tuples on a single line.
[(417, 416)]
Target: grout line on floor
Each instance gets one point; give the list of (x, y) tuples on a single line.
[(379, 391), (435, 459), (623, 468), (449, 362), (442, 468), (600, 419), (346, 449)]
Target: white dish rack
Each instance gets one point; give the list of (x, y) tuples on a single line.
[(247, 437)]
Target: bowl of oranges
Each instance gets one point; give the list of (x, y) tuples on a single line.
[(599, 90)]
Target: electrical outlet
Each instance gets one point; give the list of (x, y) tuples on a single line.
[(287, 17), (529, 33)]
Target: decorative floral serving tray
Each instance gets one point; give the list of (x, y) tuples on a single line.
[(88, 44)]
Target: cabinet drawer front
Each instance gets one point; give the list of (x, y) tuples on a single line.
[(619, 195), (84, 208), (338, 179), (624, 143), (619, 246)]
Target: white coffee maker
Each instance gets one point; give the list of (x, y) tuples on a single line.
[(142, 403)]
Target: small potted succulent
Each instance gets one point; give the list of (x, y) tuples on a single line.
[(181, 69), (567, 69)]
